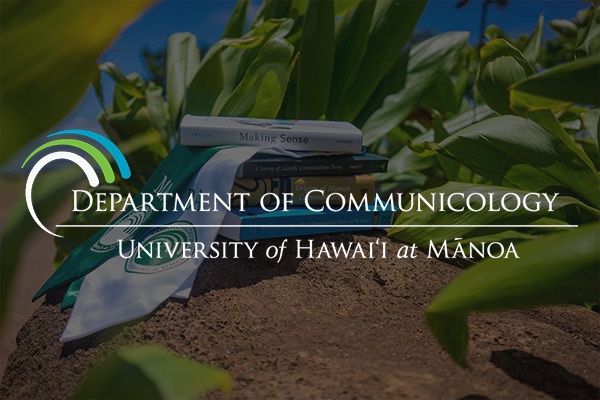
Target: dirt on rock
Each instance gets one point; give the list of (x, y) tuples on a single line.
[(327, 329)]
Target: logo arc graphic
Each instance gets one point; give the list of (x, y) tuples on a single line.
[(108, 145), (87, 168)]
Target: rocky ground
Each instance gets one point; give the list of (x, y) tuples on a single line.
[(328, 329)]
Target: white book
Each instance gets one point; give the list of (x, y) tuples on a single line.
[(300, 135)]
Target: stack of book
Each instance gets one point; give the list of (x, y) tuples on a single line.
[(342, 166)]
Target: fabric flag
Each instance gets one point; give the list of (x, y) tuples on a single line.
[(180, 164), (123, 289)]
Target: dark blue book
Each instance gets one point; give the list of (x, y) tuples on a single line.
[(255, 223), (268, 166)]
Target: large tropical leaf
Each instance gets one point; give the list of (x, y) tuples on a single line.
[(589, 42), (405, 165), (47, 66), (351, 39), (590, 121), (426, 63), (515, 152), (393, 23), (460, 219), (532, 46), (237, 20), (151, 372), (315, 64), (576, 82), (261, 91), (559, 269), (183, 59), (501, 65)]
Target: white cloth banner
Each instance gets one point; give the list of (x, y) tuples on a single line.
[(123, 289)]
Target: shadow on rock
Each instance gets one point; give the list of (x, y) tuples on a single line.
[(543, 375)]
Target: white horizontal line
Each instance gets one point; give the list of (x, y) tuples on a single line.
[(320, 226)]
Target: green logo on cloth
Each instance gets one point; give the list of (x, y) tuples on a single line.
[(161, 248), (125, 230)]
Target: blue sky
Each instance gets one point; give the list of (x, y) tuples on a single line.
[(207, 18)]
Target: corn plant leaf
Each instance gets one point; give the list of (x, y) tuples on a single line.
[(158, 110), (521, 216), (270, 29), (501, 65), (532, 46), (515, 152), (261, 91), (575, 82), (351, 39), (47, 67), (205, 88), (315, 64), (589, 43), (561, 268), (590, 121), (392, 25), (404, 164), (426, 63), (237, 20), (342, 6), (183, 59), (150, 371)]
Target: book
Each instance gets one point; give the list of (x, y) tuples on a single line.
[(256, 223), (302, 135), (299, 186), (268, 166)]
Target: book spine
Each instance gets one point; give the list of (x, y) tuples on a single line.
[(357, 186), (334, 221), (263, 168), (349, 141)]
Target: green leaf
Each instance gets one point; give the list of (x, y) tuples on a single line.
[(342, 6), (183, 59), (261, 91), (516, 152), (453, 169), (426, 63), (426, 216), (393, 23), (590, 121), (589, 43), (205, 88), (441, 96), (559, 269), (217, 75), (270, 29), (151, 372), (351, 39), (531, 50), (158, 111), (130, 87), (493, 32), (132, 124), (501, 65), (315, 64), (237, 20), (559, 87), (405, 164), (47, 66), (567, 30), (50, 191)]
